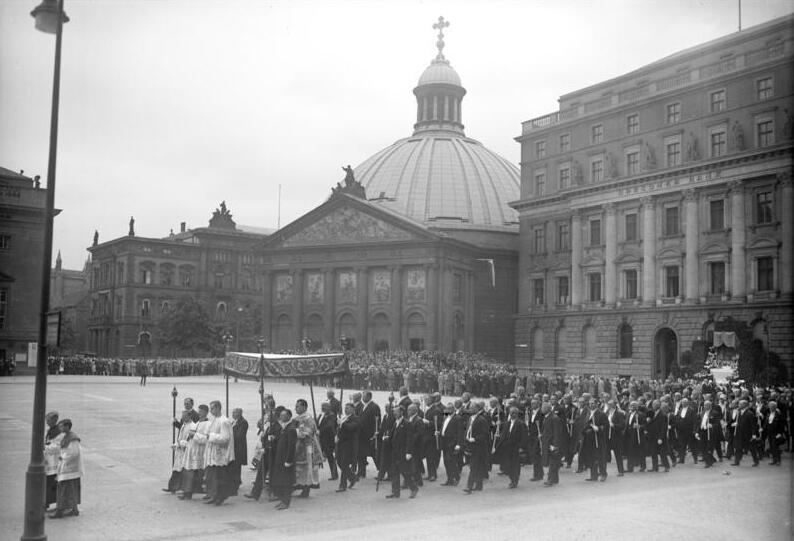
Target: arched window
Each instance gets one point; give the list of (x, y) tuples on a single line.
[(625, 341), (589, 342), (145, 308), (537, 344), (562, 343), (165, 307), (220, 310)]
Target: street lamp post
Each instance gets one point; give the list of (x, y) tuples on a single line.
[(239, 315), (49, 17)]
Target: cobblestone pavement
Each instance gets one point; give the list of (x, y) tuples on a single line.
[(126, 439)]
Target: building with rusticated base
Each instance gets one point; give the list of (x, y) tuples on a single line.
[(657, 205)]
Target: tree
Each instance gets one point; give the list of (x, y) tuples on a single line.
[(187, 329)]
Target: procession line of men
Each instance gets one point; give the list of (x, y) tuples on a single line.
[(405, 442)]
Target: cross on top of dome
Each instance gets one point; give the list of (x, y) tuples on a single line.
[(440, 26)]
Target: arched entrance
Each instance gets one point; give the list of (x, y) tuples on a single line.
[(347, 329), (282, 337), (315, 331), (665, 352), (417, 329), (458, 337), (381, 332)]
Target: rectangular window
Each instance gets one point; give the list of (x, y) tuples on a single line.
[(5, 242), (539, 244), (540, 183), (565, 142), (716, 214), (673, 153), (764, 88), (597, 134), (565, 177), (671, 221), (766, 275), (632, 163), (595, 286), (673, 113), (631, 227), (563, 237), (718, 142), (672, 288), (597, 170), (540, 149), (537, 290), (185, 278), (595, 232), (218, 281), (633, 123), (3, 307), (765, 133), (763, 208), (717, 277), (562, 289), (717, 101), (631, 283), (146, 276)]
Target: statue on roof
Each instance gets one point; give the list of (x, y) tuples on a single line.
[(222, 218), (132, 227), (351, 185), (96, 237)]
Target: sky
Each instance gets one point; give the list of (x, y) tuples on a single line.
[(168, 107)]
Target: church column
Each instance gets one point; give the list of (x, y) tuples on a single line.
[(610, 254), (738, 263), (297, 306), (396, 341), (328, 300), (648, 250), (691, 258), (787, 234), (469, 315), (576, 259), (363, 307), (267, 308), (435, 109), (446, 107), (431, 292), (445, 312)]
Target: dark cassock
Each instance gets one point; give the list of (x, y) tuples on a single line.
[(282, 475), (327, 427), (347, 448), (453, 432), (594, 443), (512, 438), (554, 439), (478, 443), (239, 434), (265, 466)]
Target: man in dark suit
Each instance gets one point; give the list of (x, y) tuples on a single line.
[(555, 436), (615, 435), (194, 415), (452, 432), (239, 434), (571, 413), (534, 422), (706, 432), (416, 427), (327, 427), (402, 441), (282, 475), (336, 405), (405, 400), (384, 447), (370, 418), (685, 428), (578, 429), (434, 415), (745, 434), (512, 438), (478, 443), (731, 417), (656, 435), (775, 431), (346, 447), (594, 442), (633, 438)]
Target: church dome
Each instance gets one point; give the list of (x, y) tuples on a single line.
[(439, 177)]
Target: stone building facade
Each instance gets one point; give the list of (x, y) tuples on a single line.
[(657, 204), (134, 280)]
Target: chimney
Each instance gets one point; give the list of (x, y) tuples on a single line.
[(182, 227)]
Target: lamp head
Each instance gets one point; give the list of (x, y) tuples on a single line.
[(46, 15), (174, 392)]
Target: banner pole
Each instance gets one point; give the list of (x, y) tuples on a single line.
[(311, 390)]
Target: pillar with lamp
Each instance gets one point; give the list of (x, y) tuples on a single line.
[(50, 18)]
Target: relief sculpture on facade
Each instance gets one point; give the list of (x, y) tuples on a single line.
[(348, 287), (346, 225), (381, 286), (415, 287), (283, 290), (315, 288)]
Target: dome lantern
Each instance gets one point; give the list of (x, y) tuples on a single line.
[(439, 93)]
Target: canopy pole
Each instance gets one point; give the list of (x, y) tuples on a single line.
[(227, 394), (311, 390)]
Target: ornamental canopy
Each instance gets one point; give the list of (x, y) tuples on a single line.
[(253, 366)]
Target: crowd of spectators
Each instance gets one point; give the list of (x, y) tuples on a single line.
[(97, 366)]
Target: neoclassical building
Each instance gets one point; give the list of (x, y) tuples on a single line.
[(416, 249), (656, 204)]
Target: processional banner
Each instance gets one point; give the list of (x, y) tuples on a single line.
[(253, 366)]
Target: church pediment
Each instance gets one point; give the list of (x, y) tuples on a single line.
[(346, 225)]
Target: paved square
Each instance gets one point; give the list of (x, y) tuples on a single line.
[(126, 436)]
